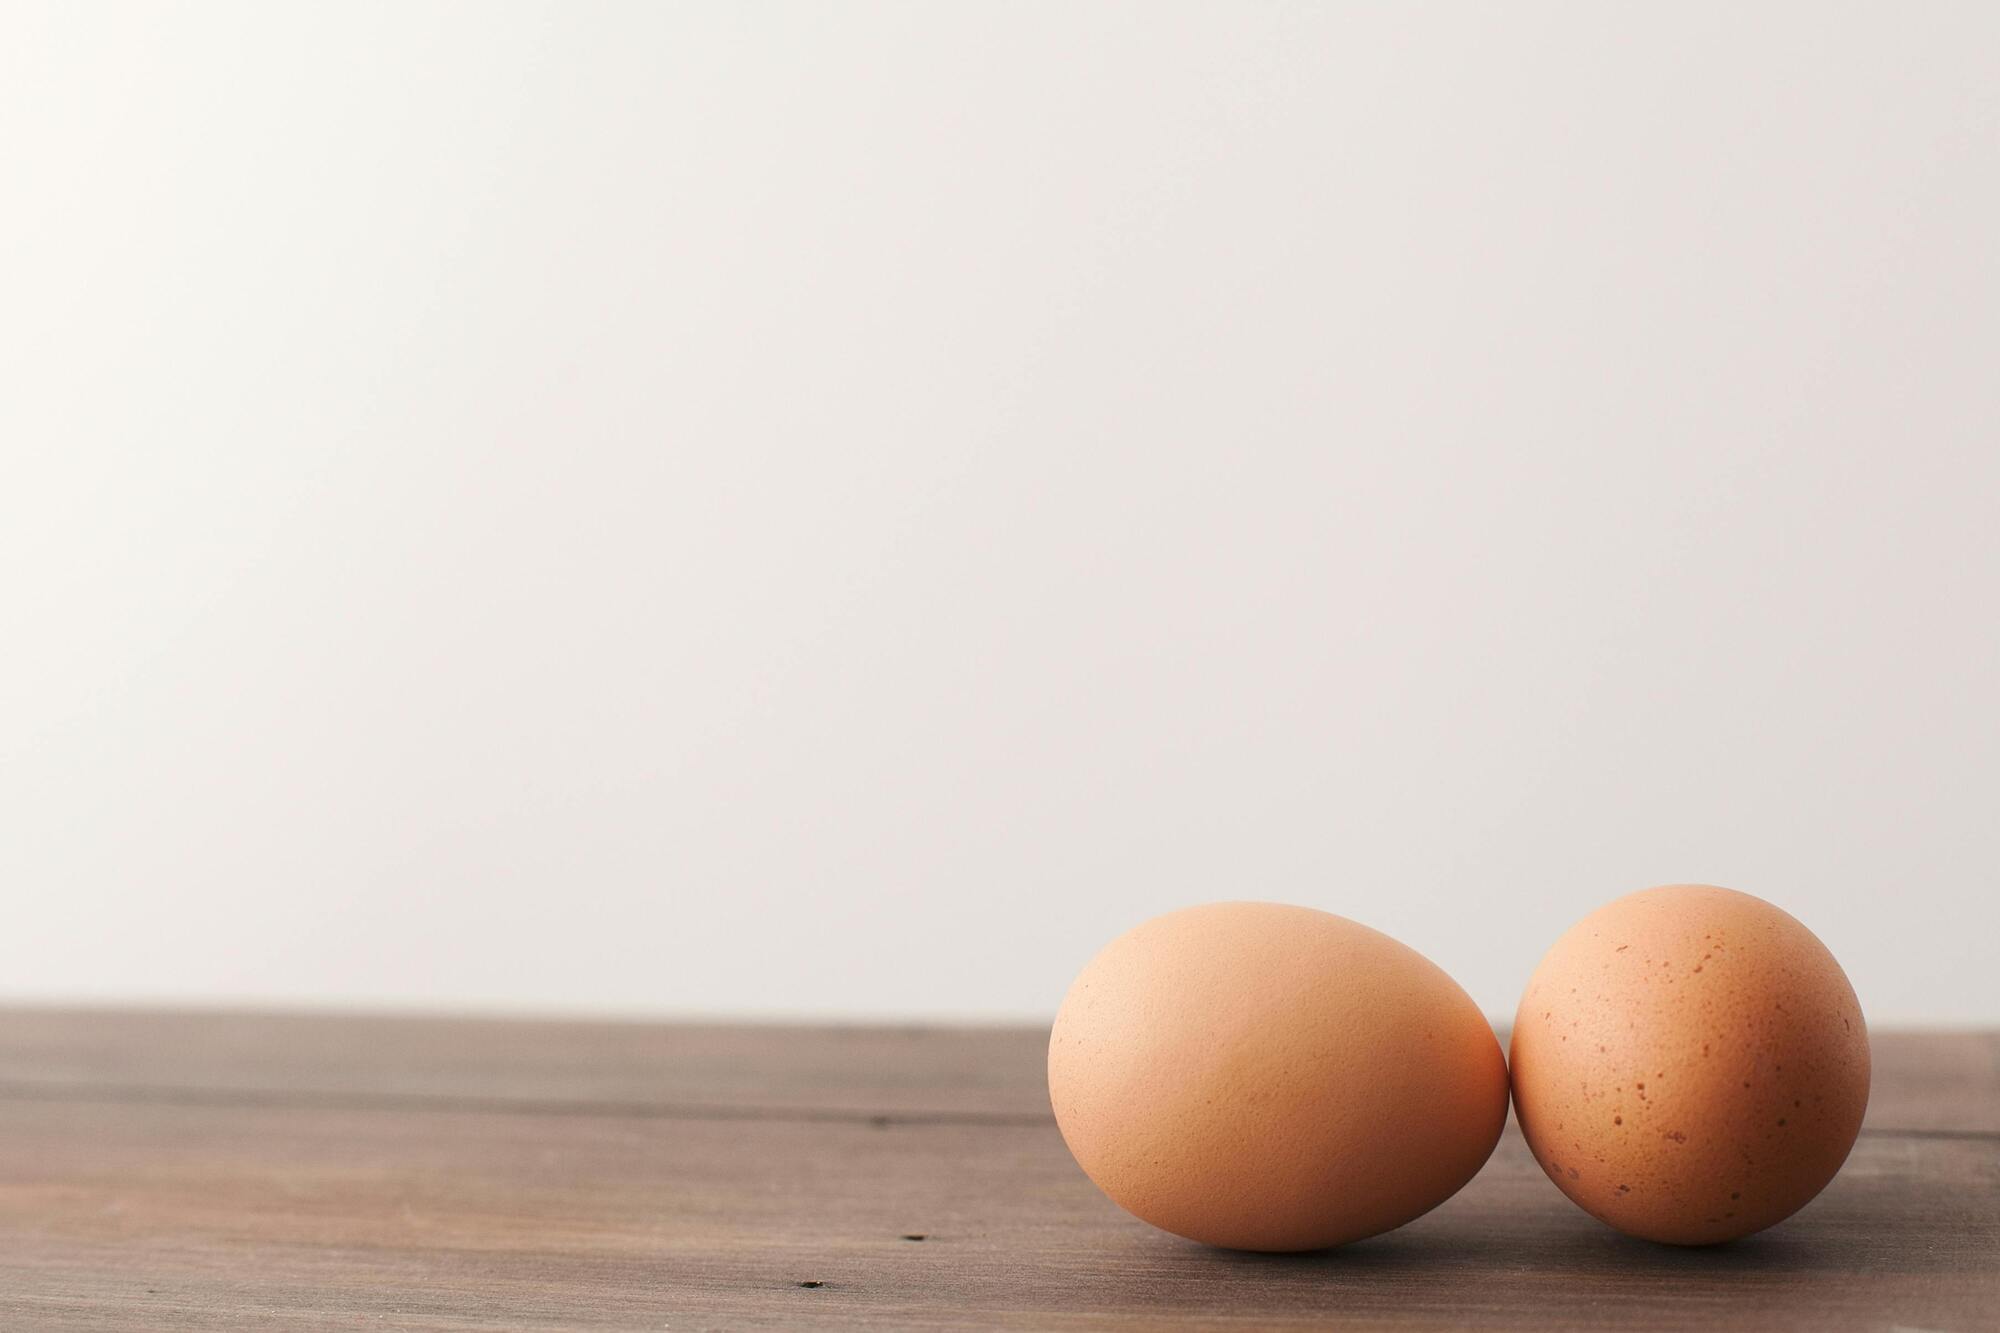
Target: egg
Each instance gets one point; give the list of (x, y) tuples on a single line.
[(1267, 1077), (1690, 1064)]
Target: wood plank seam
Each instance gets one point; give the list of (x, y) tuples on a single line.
[(146, 1095)]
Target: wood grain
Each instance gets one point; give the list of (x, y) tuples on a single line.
[(204, 1171), (908, 1070)]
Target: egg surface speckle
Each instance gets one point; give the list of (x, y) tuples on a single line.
[(1266, 1077), (1690, 1064)]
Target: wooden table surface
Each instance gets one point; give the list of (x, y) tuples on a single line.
[(185, 1171)]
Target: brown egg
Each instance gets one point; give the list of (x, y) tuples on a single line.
[(1690, 1064), (1265, 1077)]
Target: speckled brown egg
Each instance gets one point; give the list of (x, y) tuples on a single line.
[(1690, 1064), (1265, 1077)]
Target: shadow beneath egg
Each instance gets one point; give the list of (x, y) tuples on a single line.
[(1579, 1246), (1910, 1220), (1501, 1255)]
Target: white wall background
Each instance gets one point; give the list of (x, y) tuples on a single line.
[(838, 510)]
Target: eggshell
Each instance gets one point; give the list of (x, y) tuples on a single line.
[(1690, 1064), (1265, 1077)]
